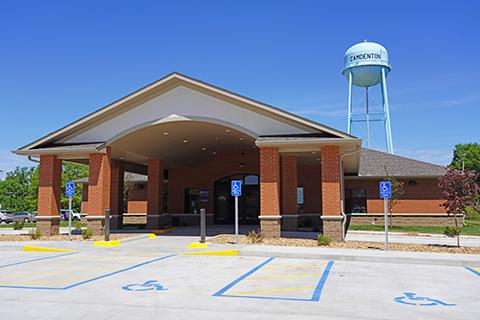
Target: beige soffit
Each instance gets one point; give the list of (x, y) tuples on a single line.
[(171, 81)]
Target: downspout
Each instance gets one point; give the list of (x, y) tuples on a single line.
[(33, 160), (342, 204)]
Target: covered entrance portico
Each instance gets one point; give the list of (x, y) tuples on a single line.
[(190, 138)]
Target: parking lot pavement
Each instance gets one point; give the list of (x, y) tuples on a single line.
[(140, 281)]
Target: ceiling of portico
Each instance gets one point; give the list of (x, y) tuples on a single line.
[(180, 143)]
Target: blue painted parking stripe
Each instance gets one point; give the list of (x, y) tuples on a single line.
[(234, 282), (36, 259), (316, 293), (473, 270), (321, 283), (93, 279), (119, 271)]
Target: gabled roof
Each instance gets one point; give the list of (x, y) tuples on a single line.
[(164, 84), (375, 163)]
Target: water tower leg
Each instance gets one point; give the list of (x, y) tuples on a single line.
[(349, 103), (388, 128)]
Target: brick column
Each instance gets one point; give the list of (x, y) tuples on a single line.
[(289, 192), (270, 192), (154, 193), (49, 188), (331, 215), (116, 194), (99, 182)]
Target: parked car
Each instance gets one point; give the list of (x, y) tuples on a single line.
[(75, 215), (6, 216), (23, 217)]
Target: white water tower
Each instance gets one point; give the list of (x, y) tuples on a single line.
[(366, 65)]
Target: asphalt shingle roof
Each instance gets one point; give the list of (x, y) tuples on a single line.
[(375, 163)]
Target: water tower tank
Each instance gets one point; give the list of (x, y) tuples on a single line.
[(365, 61)]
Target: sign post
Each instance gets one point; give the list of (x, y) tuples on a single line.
[(386, 194), (70, 192), (236, 189)]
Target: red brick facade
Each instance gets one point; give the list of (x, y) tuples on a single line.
[(330, 180), (116, 187), (289, 184), (99, 175), (269, 182), (421, 196), (155, 187), (49, 185)]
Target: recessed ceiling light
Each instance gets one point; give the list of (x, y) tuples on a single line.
[(204, 148), (241, 138), (185, 140), (165, 133), (227, 130), (313, 152), (214, 153)]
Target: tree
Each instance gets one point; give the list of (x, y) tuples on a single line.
[(19, 190), (467, 156), (71, 172), (128, 186), (459, 189), (398, 191)]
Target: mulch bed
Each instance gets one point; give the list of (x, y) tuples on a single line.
[(294, 242)]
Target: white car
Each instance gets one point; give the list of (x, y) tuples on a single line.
[(75, 215)]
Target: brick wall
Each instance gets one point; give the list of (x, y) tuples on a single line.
[(309, 177), (421, 195), (269, 181), (155, 187), (289, 184), (330, 180), (49, 185), (99, 175), (116, 187)]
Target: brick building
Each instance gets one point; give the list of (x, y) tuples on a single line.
[(184, 140)]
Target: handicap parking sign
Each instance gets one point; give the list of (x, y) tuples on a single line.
[(385, 189), (236, 188), (70, 189)]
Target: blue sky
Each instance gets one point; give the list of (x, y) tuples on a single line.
[(62, 60)]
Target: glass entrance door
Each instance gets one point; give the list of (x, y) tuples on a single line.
[(248, 203)]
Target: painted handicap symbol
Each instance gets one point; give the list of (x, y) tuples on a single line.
[(146, 286), (411, 298)]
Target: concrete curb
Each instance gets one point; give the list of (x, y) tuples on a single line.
[(141, 237), (457, 260)]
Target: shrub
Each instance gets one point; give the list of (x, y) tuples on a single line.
[(323, 240), (471, 212), (35, 234), (77, 225), (451, 231), (18, 225), (87, 233), (254, 237)]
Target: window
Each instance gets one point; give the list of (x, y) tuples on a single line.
[(192, 198), (300, 199), (251, 180), (356, 200)]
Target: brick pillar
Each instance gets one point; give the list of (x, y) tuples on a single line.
[(154, 193), (99, 181), (331, 215), (289, 192), (270, 192), (49, 188), (116, 194)]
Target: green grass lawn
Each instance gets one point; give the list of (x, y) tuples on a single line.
[(471, 227)]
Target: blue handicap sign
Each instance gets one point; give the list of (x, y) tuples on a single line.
[(385, 189), (236, 188), (412, 299), (70, 189), (146, 286)]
